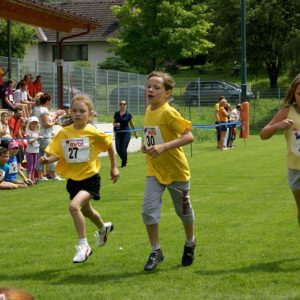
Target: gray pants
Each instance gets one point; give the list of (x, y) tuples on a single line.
[(179, 192)]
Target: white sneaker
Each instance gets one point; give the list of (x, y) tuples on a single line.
[(101, 238), (82, 253), (58, 178)]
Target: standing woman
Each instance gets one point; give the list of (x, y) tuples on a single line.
[(121, 121)]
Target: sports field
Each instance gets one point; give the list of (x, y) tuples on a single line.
[(247, 233)]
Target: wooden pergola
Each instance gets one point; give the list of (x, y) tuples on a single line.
[(45, 16)]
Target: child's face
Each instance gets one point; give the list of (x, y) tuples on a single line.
[(80, 113), (13, 151), (156, 93), (33, 125), (4, 157)]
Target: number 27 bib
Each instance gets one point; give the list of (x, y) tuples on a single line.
[(76, 150), (152, 136)]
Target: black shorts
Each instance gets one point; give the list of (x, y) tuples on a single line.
[(91, 185)]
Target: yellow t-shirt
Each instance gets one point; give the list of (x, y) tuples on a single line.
[(163, 125), (293, 140), (78, 151)]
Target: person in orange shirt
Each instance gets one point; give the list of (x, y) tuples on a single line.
[(223, 119), (37, 85)]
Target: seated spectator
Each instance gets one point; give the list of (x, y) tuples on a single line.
[(4, 130), (21, 96), (4, 170), (14, 168), (7, 99), (37, 85)]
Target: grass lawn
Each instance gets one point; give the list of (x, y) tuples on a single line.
[(247, 233)]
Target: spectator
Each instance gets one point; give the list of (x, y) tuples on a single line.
[(4, 130), (234, 116), (21, 96), (2, 74), (121, 121), (37, 85), (4, 170), (217, 106), (14, 123), (14, 168), (33, 147), (30, 87), (223, 118)]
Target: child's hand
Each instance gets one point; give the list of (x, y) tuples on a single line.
[(114, 174), (28, 181), (156, 150), (43, 160), (143, 149), (285, 124)]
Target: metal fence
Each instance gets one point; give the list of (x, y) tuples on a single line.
[(106, 88)]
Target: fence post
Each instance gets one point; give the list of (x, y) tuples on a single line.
[(106, 90), (198, 92), (138, 99)]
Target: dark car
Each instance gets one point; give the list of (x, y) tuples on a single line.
[(201, 92)]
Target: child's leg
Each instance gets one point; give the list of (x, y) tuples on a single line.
[(89, 212), (297, 199), (5, 185), (75, 208), (30, 170)]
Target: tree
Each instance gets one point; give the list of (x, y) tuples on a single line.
[(270, 25), (154, 32), (21, 36)]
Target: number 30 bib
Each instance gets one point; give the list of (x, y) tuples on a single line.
[(76, 150), (152, 136), (295, 142)]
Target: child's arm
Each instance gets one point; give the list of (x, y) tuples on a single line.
[(114, 172), (186, 138), (48, 159), (26, 180), (279, 122)]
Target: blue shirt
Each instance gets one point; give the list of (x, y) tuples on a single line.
[(123, 120), (5, 168), (13, 169)]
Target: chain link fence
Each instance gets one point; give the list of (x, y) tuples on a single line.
[(106, 87)]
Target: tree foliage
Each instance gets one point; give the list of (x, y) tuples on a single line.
[(21, 36), (270, 26), (154, 32)]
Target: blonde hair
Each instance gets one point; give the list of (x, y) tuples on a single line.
[(290, 94), (14, 294), (168, 81), (85, 99)]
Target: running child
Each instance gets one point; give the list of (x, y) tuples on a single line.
[(165, 132), (288, 120), (76, 148)]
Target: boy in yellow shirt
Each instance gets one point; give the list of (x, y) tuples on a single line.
[(165, 132)]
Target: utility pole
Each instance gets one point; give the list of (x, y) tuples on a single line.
[(243, 52)]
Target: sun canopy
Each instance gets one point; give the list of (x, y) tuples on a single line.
[(44, 16)]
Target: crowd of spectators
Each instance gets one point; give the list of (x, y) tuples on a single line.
[(26, 128)]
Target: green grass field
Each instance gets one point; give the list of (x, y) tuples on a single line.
[(247, 233)]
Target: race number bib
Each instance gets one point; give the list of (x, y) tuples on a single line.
[(152, 136), (295, 142), (76, 150), (13, 168)]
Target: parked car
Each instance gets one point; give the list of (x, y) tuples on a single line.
[(207, 92)]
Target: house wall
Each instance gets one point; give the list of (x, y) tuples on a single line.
[(97, 52)]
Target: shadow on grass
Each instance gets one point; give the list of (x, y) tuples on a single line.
[(268, 267), (80, 274)]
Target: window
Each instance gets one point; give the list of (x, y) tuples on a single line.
[(72, 52)]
